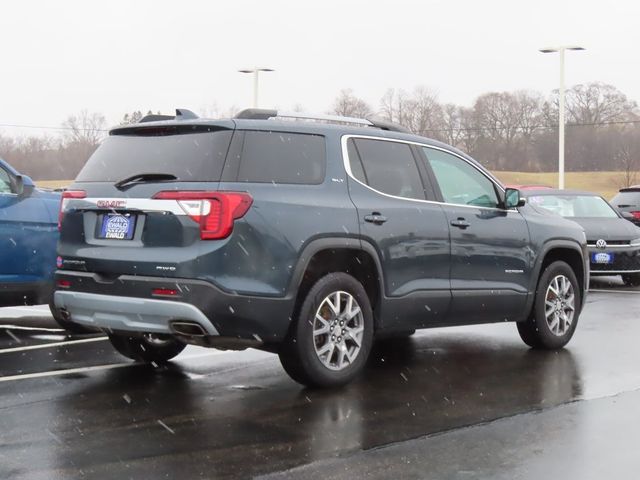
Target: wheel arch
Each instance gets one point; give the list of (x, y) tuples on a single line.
[(570, 253), (349, 255)]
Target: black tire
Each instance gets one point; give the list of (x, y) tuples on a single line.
[(156, 348), (68, 325), (631, 279), (298, 352), (536, 331)]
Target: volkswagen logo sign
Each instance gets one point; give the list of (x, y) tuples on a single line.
[(601, 244)]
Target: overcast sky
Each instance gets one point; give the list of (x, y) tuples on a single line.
[(59, 57)]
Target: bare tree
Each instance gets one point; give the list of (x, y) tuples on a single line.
[(452, 129), (596, 103), (214, 110), (85, 128), (348, 105), (419, 111), (393, 106), (628, 156)]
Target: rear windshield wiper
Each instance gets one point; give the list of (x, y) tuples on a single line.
[(143, 178)]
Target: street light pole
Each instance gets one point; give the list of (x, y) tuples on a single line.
[(561, 92), (255, 71)]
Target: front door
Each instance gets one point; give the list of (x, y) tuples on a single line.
[(491, 260)]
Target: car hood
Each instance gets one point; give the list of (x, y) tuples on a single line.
[(608, 229)]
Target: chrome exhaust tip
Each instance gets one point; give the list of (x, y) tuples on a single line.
[(188, 329)]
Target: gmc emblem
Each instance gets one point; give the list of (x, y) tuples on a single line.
[(111, 203)]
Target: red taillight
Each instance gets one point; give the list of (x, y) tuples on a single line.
[(635, 215), (63, 283), (214, 211), (66, 195), (167, 292)]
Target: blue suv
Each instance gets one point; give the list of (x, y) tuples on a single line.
[(28, 236), (306, 237)]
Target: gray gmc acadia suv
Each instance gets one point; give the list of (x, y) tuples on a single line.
[(306, 237)]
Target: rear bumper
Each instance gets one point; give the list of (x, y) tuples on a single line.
[(128, 313), (126, 302)]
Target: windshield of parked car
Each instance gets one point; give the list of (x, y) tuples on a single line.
[(584, 206)]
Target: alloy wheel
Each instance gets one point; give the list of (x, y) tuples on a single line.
[(560, 305), (338, 329)]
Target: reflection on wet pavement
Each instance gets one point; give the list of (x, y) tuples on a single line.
[(236, 415)]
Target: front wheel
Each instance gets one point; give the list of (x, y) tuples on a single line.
[(329, 343), (148, 347), (631, 279), (556, 308)]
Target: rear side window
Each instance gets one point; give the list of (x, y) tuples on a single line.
[(281, 157), (191, 157), (388, 167)]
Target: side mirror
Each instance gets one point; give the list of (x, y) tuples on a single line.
[(23, 185), (512, 199), (627, 215)]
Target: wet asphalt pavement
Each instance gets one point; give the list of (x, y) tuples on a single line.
[(465, 402)]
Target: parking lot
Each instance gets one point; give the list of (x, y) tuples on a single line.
[(73, 408)]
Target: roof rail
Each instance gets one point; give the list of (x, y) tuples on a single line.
[(181, 114), (390, 126), (266, 114)]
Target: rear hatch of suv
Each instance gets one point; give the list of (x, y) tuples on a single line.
[(628, 200), (146, 198)]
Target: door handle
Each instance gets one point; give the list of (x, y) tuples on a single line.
[(375, 218), (460, 223)]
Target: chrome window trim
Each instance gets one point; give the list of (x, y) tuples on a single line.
[(613, 272), (137, 204), (347, 167), (593, 245)]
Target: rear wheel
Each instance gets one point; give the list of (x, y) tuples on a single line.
[(554, 317), (631, 279), (148, 347), (329, 343)]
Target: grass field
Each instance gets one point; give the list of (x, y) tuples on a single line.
[(604, 183), (53, 183)]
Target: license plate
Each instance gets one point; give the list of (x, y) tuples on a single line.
[(602, 257), (118, 226)]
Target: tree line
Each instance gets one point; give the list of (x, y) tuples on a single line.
[(513, 131), (518, 131)]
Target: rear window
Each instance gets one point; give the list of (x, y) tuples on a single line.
[(631, 198), (280, 157), (191, 157)]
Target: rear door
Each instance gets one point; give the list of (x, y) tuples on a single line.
[(398, 217), (491, 259)]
